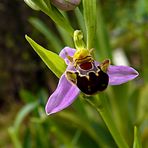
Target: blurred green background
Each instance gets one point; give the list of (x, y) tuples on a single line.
[(26, 82)]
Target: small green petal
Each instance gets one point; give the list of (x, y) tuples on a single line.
[(78, 39), (54, 62)]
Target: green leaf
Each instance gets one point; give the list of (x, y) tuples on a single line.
[(142, 111), (82, 124), (90, 21), (66, 38), (80, 21), (27, 139), (31, 4), (23, 113), (15, 140), (53, 39), (102, 38), (55, 63), (14, 130), (137, 143), (27, 96), (141, 8)]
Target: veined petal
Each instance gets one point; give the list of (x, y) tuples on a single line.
[(62, 97), (67, 51), (121, 74)]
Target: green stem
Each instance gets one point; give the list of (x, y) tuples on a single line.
[(89, 7), (100, 104)]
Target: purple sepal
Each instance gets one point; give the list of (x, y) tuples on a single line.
[(67, 51), (121, 74), (63, 96)]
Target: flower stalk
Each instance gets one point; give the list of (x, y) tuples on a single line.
[(99, 102)]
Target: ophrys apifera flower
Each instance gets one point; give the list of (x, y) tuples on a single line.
[(84, 74)]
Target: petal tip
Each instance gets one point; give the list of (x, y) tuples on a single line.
[(47, 110), (134, 73)]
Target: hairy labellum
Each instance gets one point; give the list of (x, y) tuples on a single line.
[(66, 5), (89, 78), (92, 82)]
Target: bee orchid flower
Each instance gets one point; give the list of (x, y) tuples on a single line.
[(84, 74)]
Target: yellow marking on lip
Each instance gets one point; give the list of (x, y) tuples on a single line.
[(81, 56)]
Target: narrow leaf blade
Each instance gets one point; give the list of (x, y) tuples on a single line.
[(137, 143), (55, 63)]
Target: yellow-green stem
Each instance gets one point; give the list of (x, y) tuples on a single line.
[(100, 104)]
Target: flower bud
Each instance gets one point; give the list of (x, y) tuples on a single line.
[(31, 4), (66, 5)]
